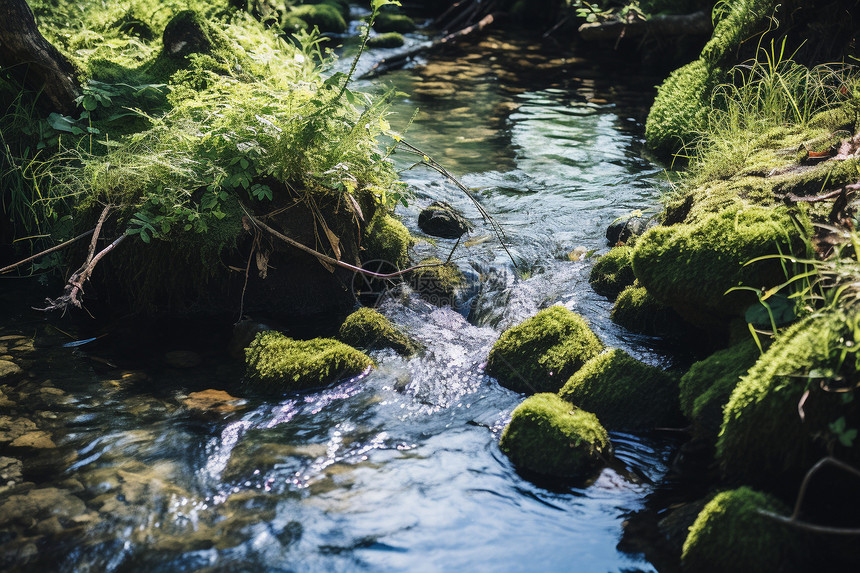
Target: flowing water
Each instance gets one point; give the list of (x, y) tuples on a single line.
[(398, 470)]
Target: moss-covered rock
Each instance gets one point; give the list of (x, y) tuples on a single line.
[(680, 110), (690, 267), (366, 328), (612, 272), (540, 354), (763, 437), (386, 239), (624, 393), (740, 21), (730, 535), (386, 40), (549, 436), (708, 384), (393, 22), (276, 363), (637, 311), (326, 17), (437, 283)]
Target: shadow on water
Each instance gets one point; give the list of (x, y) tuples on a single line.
[(399, 469)]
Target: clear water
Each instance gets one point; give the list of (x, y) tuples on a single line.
[(398, 470)]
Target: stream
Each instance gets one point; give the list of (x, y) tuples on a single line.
[(399, 470)]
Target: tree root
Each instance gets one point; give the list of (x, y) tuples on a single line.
[(46, 252), (793, 520)]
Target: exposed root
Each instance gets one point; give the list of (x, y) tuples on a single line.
[(46, 252)]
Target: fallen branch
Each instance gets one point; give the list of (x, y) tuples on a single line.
[(698, 23), (331, 260), (46, 252), (793, 519), (75, 285), (398, 61)]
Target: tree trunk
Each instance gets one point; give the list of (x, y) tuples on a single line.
[(33, 60)]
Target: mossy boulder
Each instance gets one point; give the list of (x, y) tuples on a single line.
[(612, 272), (680, 110), (386, 40), (540, 354), (393, 22), (276, 363), (731, 535), (763, 437), (367, 328), (326, 17), (436, 282), (637, 311), (708, 384), (386, 239), (624, 393), (549, 436), (691, 266), (740, 21)]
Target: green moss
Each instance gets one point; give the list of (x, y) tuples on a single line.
[(624, 393), (391, 22), (762, 436), (540, 354), (612, 272), (366, 328), (706, 387), (387, 40), (741, 22), (730, 535), (549, 436), (637, 311), (326, 17), (276, 363), (386, 239), (438, 282), (690, 267), (681, 107)]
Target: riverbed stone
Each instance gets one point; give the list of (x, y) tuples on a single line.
[(437, 282), (440, 219), (623, 229), (12, 428), (543, 352), (34, 440), (276, 363), (10, 471), (9, 372), (212, 401), (624, 393), (731, 535), (367, 328), (550, 436)]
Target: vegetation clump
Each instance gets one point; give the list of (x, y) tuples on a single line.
[(691, 266), (326, 17), (393, 22), (708, 384), (624, 393), (386, 40), (731, 535), (613, 272), (763, 435), (540, 354), (367, 328), (277, 364), (549, 436)]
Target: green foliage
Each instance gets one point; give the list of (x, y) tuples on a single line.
[(366, 328), (623, 392), (706, 387), (731, 535), (540, 354), (691, 266), (763, 436), (549, 436), (278, 364), (612, 272)]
